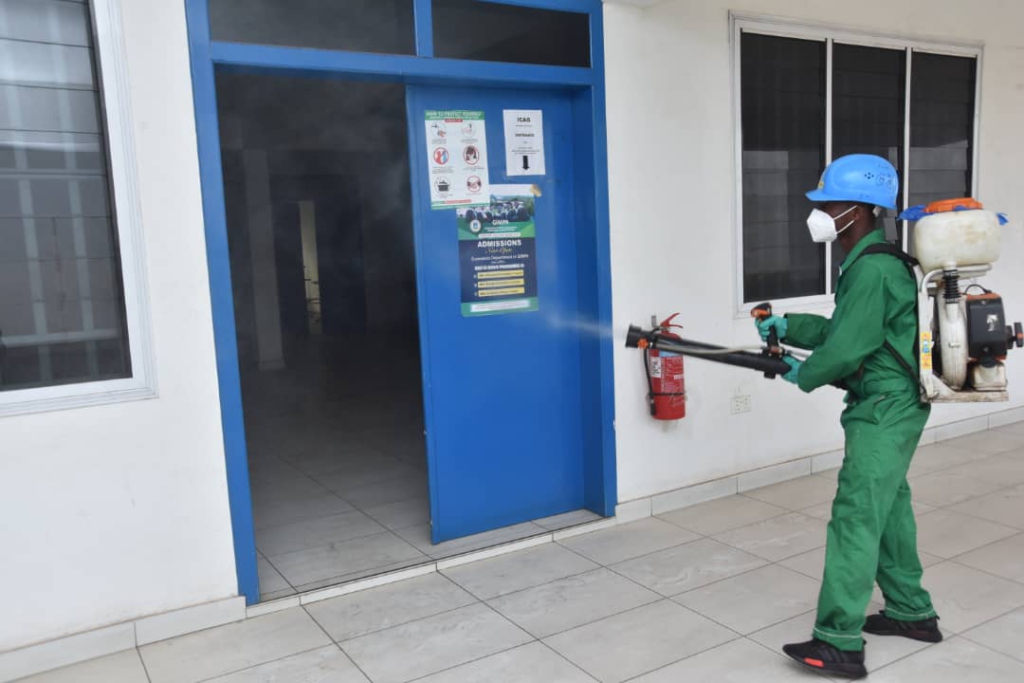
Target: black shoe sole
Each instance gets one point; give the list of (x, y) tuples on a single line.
[(923, 636), (851, 671)]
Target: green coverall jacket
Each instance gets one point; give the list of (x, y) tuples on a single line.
[(876, 300)]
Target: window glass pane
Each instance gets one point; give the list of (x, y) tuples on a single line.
[(941, 127), (868, 114), (357, 25), (62, 316), (469, 29), (783, 120)]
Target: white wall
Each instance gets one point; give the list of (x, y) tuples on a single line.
[(119, 511), (671, 139)]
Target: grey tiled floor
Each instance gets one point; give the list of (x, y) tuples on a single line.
[(339, 480), (707, 593)]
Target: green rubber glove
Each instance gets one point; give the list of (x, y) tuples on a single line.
[(794, 372), (765, 325)]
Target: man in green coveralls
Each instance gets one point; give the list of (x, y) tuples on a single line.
[(868, 348)]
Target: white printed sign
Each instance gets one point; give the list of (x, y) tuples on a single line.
[(524, 142)]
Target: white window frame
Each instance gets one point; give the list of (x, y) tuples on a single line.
[(829, 34), (112, 67)]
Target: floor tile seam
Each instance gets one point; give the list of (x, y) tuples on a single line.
[(1017, 532), (690, 590), (779, 564), (533, 535), (1000, 488), (946, 468), (340, 493), (518, 590), (969, 639), (980, 547), (776, 623), (589, 622), (781, 559), (308, 476), (1003, 451), (351, 577), (301, 520), (306, 520), (364, 510), (467, 662), (533, 639), (278, 595), (340, 469), (784, 507), (789, 510), (259, 664), (657, 598), (629, 559), (290, 465), (280, 573), (686, 658), (785, 511), (875, 669), (995, 617), (576, 666), (337, 581), (380, 532), (364, 446), (973, 499), (401, 528), (983, 571), (977, 517), (745, 494), (660, 599), (142, 661), (335, 643), (397, 625), (943, 507)]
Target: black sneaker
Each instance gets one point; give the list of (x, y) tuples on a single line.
[(926, 630), (819, 656)]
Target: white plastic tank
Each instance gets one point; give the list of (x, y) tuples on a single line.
[(966, 238)]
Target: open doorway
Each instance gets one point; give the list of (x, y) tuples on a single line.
[(316, 180)]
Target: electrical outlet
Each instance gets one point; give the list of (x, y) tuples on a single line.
[(741, 404)]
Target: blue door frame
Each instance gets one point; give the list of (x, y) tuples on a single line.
[(591, 204)]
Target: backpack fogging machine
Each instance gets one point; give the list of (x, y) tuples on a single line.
[(963, 337)]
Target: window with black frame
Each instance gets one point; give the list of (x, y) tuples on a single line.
[(787, 129), (62, 309)]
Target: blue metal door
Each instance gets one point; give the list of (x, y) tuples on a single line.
[(502, 392)]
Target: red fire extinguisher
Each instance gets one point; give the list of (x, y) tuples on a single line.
[(666, 384)]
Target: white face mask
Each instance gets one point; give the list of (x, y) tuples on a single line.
[(823, 226)]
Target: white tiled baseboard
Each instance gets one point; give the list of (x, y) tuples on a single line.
[(109, 640), (34, 659), (754, 479), (179, 622), (1006, 417)]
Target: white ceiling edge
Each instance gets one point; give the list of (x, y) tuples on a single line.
[(635, 3)]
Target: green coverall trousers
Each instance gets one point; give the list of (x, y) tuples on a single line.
[(873, 535)]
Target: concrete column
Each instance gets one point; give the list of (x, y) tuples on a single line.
[(264, 266)]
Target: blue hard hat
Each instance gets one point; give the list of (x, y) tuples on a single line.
[(858, 178)]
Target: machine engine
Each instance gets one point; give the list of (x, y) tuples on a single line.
[(964, 336)]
